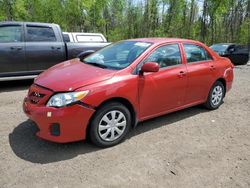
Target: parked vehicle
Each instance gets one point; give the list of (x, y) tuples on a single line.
[(238, 54), (110, 91), (28, 48), (84, 37)]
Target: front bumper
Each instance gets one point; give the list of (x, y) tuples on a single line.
[(72, 121)]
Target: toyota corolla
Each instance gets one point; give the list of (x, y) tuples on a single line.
[(104, 94)]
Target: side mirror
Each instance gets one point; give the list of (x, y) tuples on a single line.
[(84, 54), (150, 67), (231, 50), (66, 38)]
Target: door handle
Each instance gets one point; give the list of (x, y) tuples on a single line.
[(212, 67), (55, 48), (182, 74), (16, 48)]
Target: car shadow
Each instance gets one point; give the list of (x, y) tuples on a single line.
[(8, 86), (27, 146), (167, 120)]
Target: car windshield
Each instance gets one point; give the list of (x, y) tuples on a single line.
[(219, 47), (117, 56)]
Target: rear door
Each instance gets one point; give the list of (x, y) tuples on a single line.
[(199, 73), (44, 47), (12, 50)]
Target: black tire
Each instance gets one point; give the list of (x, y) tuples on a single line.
[(209, 103), (101, 112)]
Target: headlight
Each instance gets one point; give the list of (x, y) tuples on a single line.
[(64, 99)]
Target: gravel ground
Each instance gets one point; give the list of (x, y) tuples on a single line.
[(189, 148)]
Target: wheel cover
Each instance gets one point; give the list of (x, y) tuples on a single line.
[(217, 95), (112, 125)]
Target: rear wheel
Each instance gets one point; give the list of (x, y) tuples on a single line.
[(110, 125), (216, 95)]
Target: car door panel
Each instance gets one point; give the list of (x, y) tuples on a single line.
[(42, 55), (12, 48), (43, 47), (162, 91), (199, 73), (199, 81)]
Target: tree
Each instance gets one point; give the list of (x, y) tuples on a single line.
[(210, 21)]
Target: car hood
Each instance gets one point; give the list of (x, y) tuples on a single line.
[(72, 74)]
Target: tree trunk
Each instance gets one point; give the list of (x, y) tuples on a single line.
[(191, 19), (9, 9), (203, 22)]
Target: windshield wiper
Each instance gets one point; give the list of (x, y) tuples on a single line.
[(96, 64)]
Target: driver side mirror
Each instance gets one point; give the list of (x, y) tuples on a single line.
[(84, 54), (150, 67)]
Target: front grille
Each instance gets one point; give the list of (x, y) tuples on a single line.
[(39, 95), (35, 97)]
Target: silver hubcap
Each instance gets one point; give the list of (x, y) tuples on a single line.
[(112, 125), (217, 95)]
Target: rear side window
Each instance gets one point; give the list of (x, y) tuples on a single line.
[(10, 34), (166, 56), (40, 34), (195, 53), (89, 38)]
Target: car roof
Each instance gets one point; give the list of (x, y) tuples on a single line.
[(82, 33), (224, 44), (162, 40), (20, 23)]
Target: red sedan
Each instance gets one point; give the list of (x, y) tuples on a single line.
[(106, 93)]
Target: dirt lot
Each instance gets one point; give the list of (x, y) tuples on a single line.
[(189, 148)]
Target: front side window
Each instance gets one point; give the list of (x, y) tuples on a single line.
[(40, 34), (10, 34), (195, 53), (166, 56), (219, 47), (118, 55)]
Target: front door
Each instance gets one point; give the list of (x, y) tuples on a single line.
[(164, 90)]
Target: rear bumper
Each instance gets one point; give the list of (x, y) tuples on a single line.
[(72, 121), (229, 77), (229, 86)]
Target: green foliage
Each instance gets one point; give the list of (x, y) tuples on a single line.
[(211, 21), (244, 32)]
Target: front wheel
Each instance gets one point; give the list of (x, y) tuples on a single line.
[(216, 95), (110, 125)]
